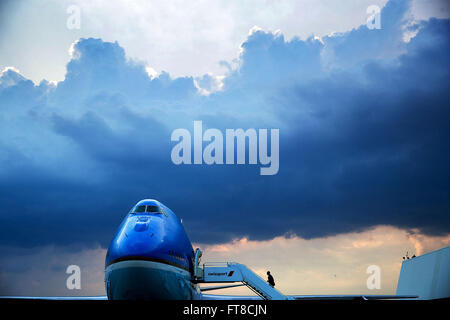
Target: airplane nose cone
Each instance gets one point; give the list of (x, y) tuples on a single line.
[(141, 224), (140, 236)]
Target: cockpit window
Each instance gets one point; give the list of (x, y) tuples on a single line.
[(153, 209), (148, 209), (138, 209)]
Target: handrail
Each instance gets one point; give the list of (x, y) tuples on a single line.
[(236, 272)]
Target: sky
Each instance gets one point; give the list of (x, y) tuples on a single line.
[(87, 114)]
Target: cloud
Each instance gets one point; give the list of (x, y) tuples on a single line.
[(166, 35), (363, 139), (329, 265), (42, 271)]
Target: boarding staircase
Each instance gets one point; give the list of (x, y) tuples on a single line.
[(227, 272)]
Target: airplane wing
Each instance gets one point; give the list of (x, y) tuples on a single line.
[(228, 297), (55, 298), (314, 297), (351, 297)]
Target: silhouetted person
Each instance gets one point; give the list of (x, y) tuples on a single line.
[(270, 279)]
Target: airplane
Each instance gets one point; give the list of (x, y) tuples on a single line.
[(152, 258)]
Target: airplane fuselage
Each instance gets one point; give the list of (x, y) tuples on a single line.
[(150, 257)]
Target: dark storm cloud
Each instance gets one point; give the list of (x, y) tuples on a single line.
[(364, 135)]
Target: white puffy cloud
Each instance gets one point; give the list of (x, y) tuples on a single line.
[(181, 37)]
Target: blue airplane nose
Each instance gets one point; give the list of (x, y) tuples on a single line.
[(143, 236), (141, 224), (139, 236), (150, 256)]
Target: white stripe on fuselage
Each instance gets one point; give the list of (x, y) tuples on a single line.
[(147, 264)]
